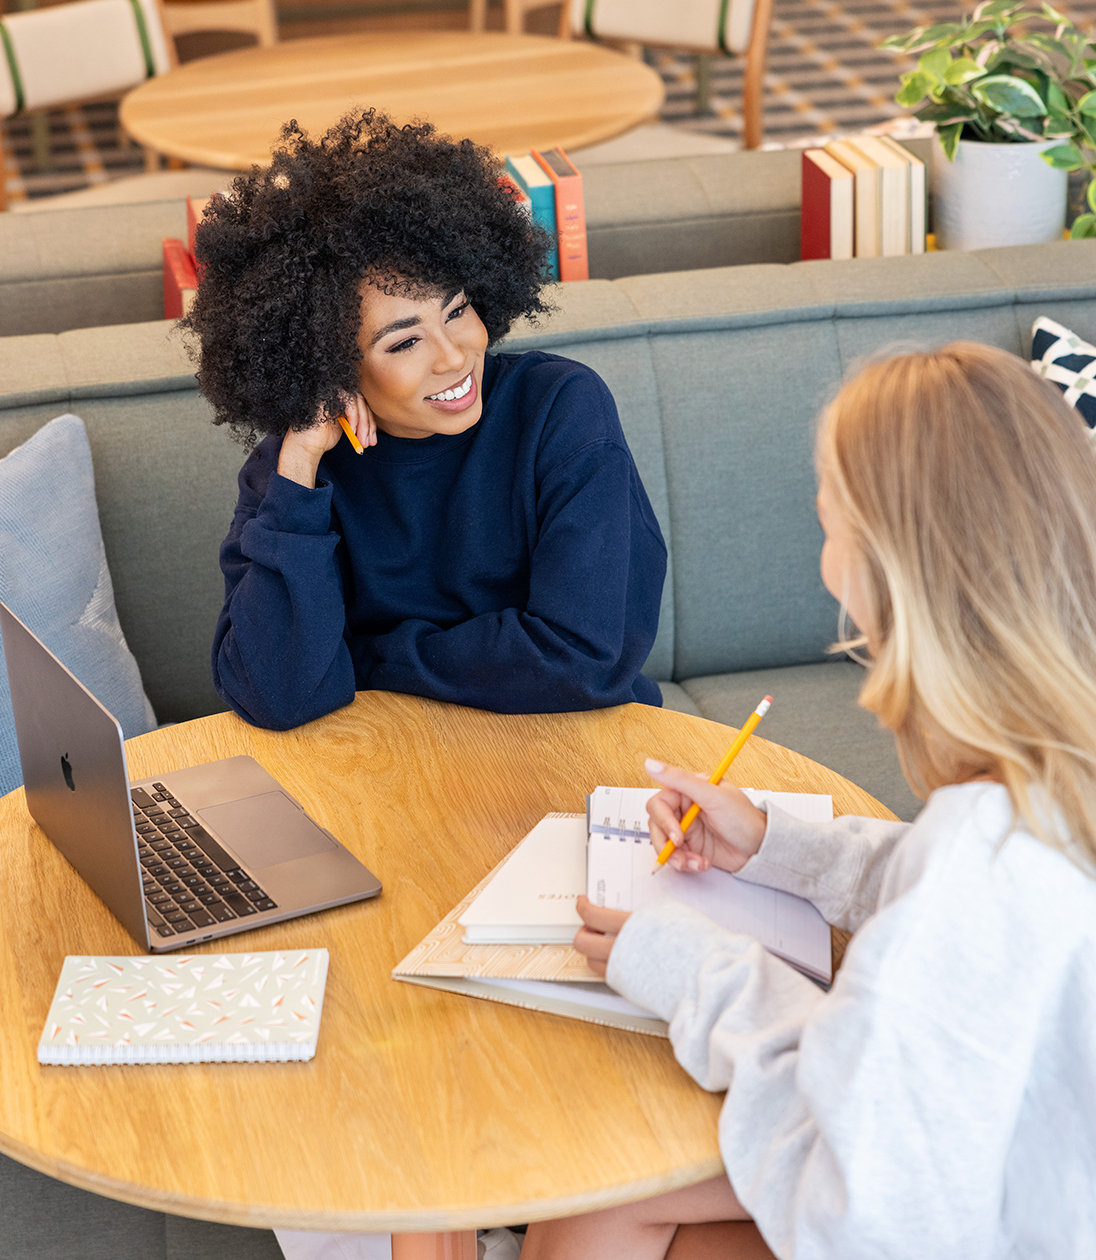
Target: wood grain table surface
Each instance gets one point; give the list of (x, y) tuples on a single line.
[(422, 1110), (509, 92)]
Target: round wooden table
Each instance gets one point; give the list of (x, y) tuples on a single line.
[(422, 1110), (509, 92)]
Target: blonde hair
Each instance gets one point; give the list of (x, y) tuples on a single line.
[(969, 486)]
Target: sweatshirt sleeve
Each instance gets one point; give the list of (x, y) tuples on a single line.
[(861, 1123), (589, 622), (280, 656), (837, 866)]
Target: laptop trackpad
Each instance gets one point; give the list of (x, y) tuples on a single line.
[(266, 830)]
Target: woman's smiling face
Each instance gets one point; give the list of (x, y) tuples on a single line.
[(422, 362)]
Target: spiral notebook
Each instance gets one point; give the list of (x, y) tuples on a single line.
[(188, 1008)]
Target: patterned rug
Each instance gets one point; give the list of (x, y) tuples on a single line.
[(825, 76)]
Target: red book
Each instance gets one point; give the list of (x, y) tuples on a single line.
[(180, 282), (827, 208), (195, 208), (570, 213)]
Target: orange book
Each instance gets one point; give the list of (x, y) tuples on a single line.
[(180, 282), (570, 213)]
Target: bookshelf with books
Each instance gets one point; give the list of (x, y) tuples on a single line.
[(863, 197)]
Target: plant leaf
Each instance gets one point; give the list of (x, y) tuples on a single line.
[(935, 63), (1090, 194), (1010, 96), (1084, 227), (1087, 104), (949, 139), (963, 69), (1064, 157), (915, 87), (944, 113)]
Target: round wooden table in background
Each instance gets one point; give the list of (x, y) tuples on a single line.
[(509, 92), (422, 1110)]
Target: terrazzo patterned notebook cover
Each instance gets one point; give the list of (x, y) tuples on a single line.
[(187, 1008)]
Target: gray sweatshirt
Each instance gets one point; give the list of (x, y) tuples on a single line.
[(940, 1100)]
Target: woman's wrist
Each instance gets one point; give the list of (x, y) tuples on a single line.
[(298, 462)]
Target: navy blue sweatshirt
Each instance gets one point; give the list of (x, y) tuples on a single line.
[(516, 567)]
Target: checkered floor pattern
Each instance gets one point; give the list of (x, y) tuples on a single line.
[(825, 76)]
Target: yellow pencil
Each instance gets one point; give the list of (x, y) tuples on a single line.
[(351, 435), (718, 773)]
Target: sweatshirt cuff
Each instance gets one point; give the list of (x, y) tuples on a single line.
[(792, 856), (290, 508), (660, 952)]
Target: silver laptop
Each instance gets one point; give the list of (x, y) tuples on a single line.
[(181, 858)]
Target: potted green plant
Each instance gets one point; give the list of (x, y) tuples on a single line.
[(1011, 92)]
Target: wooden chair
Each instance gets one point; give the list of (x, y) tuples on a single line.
[(71, 53), (253, 17), (515, 11), (692, 24)]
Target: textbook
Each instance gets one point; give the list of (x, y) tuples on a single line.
[(180, 281), (509, 939), (537, 185), (826, 222), (186, 1008), (570, 213), (867, 196), (918, 206), (893, 209)]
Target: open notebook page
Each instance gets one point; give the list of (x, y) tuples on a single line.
[(621, 875)]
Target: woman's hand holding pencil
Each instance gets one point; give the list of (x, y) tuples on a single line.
[(727, 832), (696, 823)]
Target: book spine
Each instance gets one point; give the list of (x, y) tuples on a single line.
[(542, 198), (574, 263), (815, 240), (180, 281)]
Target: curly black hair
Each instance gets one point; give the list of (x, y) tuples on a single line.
[(281, 256)]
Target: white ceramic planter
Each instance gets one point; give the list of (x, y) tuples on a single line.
[(996, 194)]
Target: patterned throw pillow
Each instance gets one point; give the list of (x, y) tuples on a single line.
[(1062, 357)]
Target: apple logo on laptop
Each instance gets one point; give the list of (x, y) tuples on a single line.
[(66, 770)]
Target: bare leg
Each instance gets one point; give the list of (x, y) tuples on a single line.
[(721, 1240), (636, 1231)]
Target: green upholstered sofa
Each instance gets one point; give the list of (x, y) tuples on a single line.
[(79, 268), (718, 376)]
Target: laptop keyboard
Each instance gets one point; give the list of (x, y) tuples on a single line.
[(189, 880)]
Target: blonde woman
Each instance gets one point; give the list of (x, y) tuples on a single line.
[(940, 1100)]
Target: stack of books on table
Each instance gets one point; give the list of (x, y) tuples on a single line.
[(180, 273), (862, 198), (552, 186)]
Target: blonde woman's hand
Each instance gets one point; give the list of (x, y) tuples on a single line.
[(596, 938), (302, 449), (727, 832)]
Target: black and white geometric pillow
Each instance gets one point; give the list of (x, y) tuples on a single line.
[(1062, 357)]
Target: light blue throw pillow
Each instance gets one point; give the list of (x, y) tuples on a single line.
[(54, 577)]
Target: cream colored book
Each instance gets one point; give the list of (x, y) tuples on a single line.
[(531, 898), (868, 197), (894, 194), (918, 193), (550, 978)]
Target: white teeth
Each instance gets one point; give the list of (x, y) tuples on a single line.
[(448, 395)]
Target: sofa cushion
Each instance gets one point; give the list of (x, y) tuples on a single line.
[(815, 712), (1059, 355), (54, 577)]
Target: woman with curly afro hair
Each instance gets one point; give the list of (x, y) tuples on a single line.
[(492, 545)]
